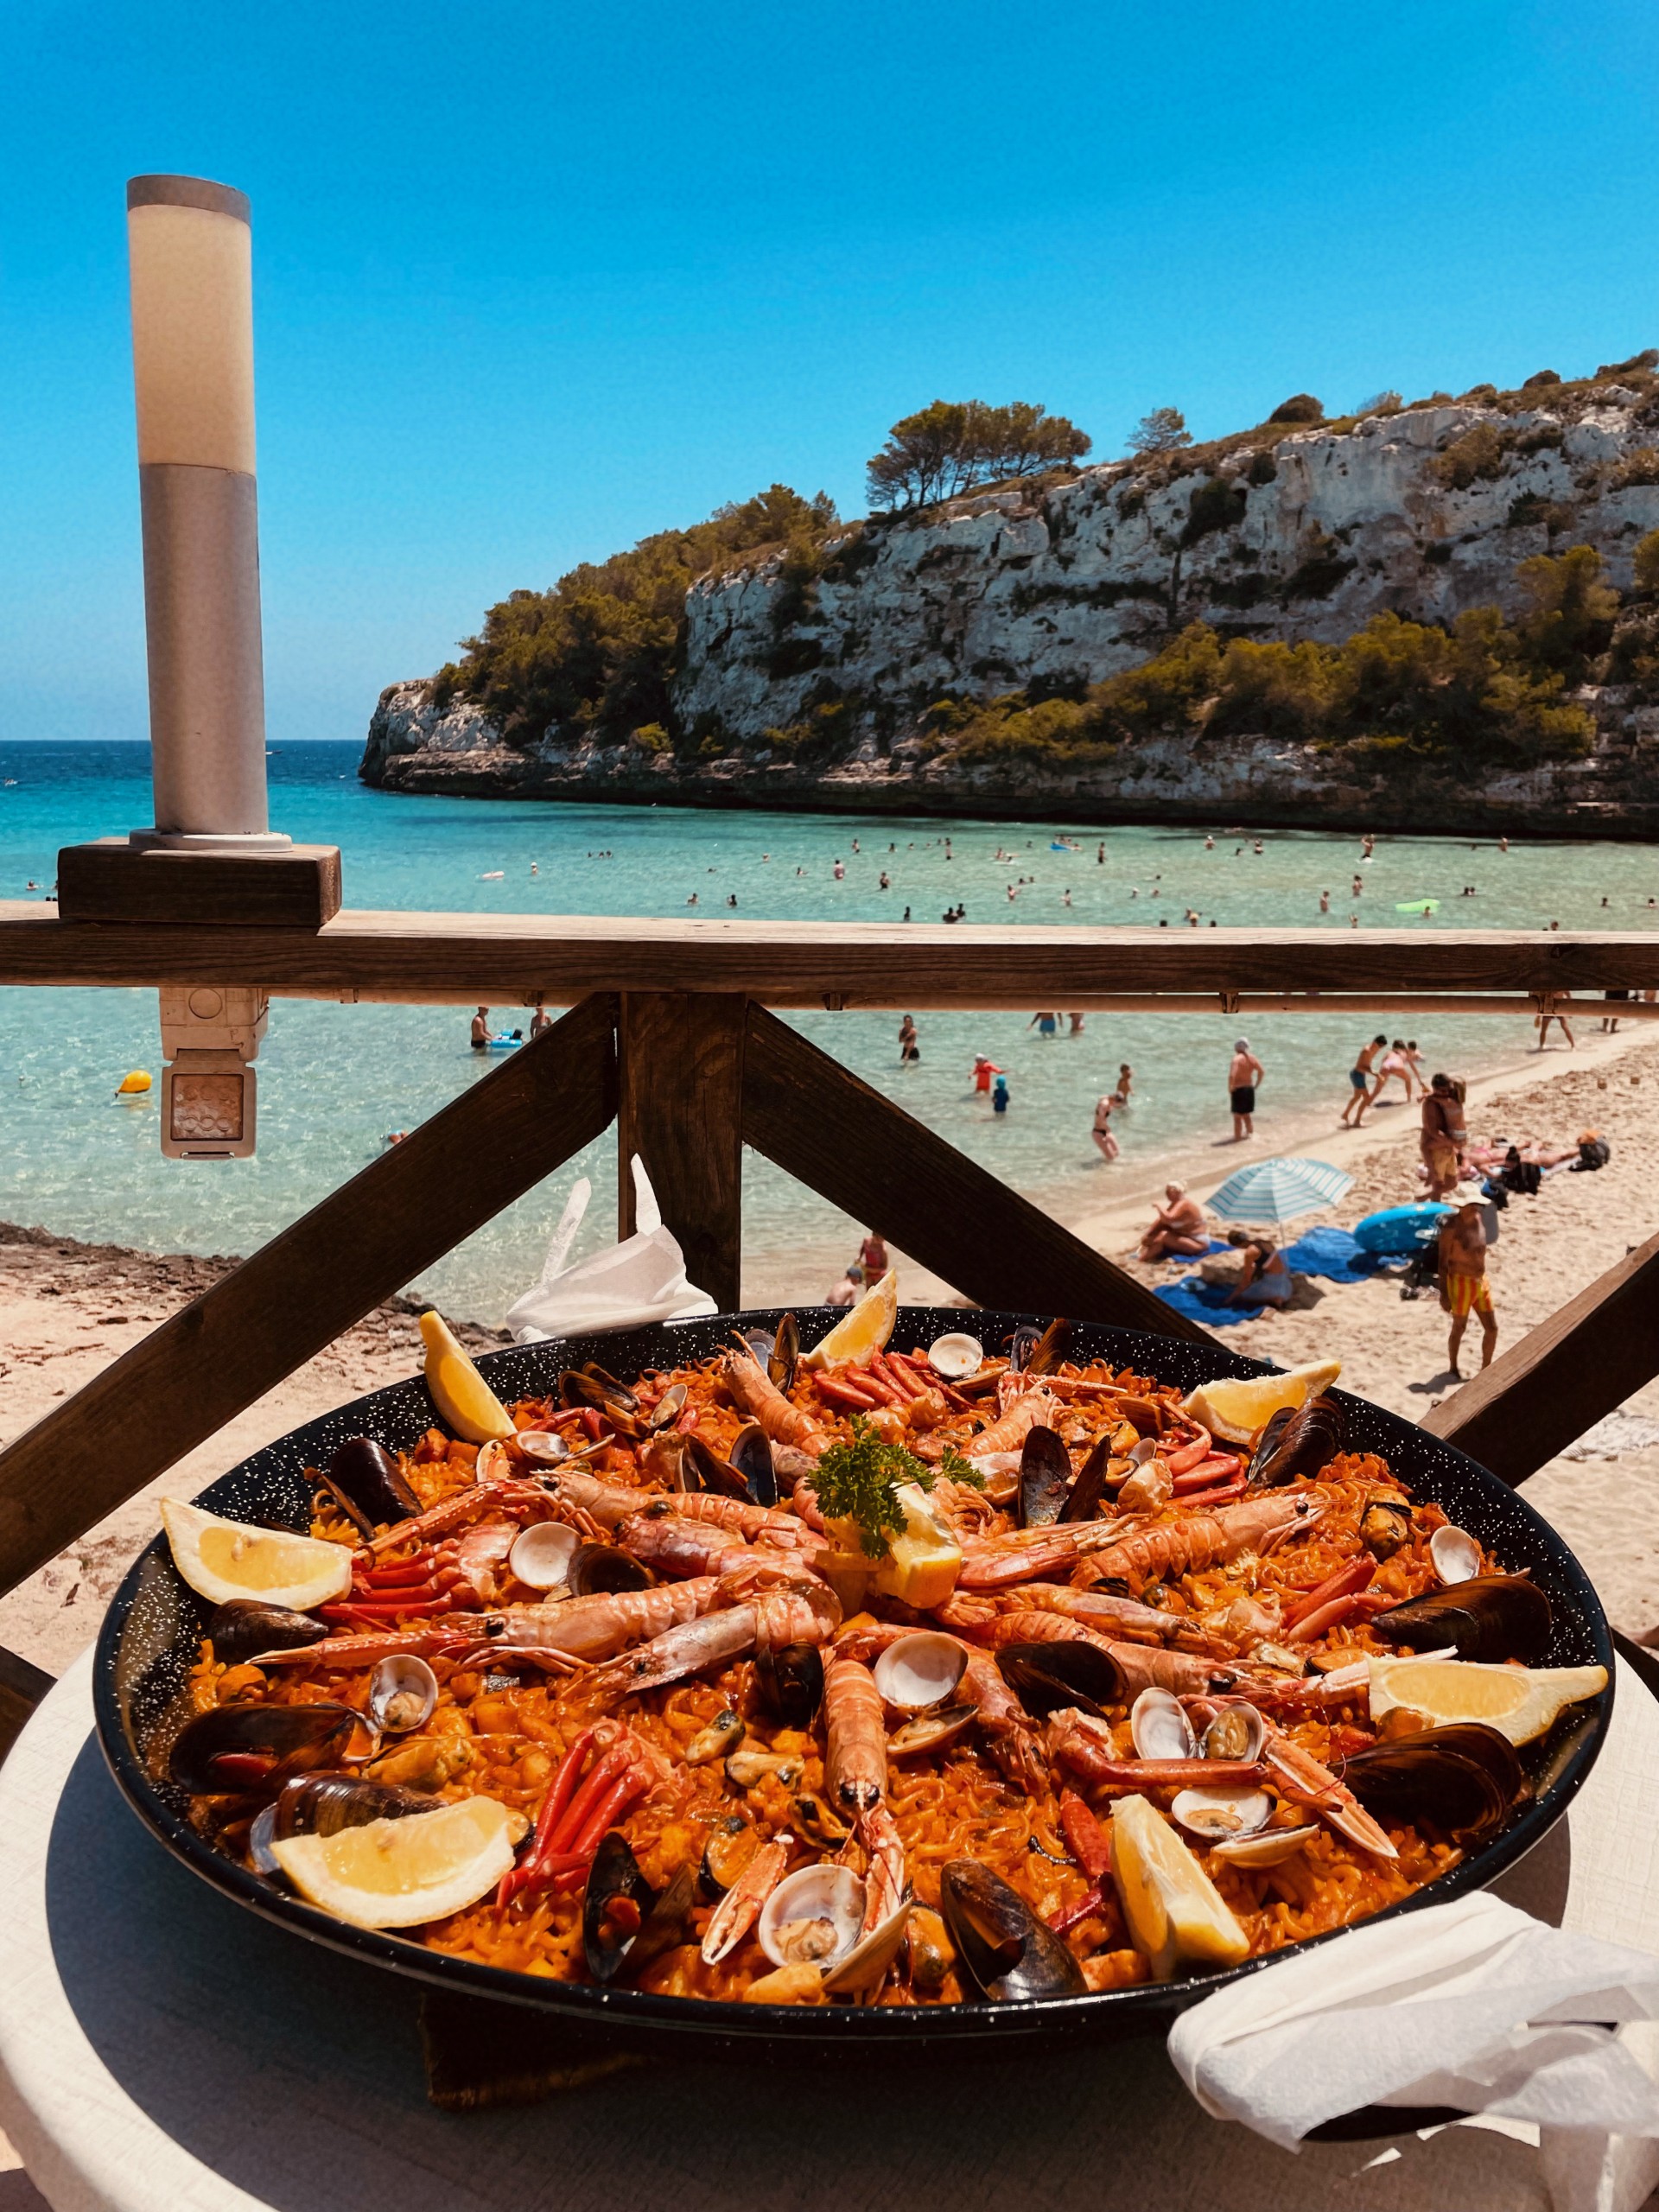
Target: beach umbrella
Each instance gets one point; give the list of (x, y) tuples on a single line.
[(1278, 1190)]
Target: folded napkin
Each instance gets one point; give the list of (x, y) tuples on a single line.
[(640, 1280), (1471, 2004)]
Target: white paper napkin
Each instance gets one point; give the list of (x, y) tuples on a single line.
[(1471, 2004), (641, 1279)]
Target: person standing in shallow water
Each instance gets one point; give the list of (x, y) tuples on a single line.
[(999, 1096), (481, 1030), (910, 1046), (1244, 1073)]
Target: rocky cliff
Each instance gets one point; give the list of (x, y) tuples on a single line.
[(1425, 511)]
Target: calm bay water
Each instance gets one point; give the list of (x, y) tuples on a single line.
[(333, 1080)]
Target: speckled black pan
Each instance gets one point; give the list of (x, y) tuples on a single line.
[(149, 1637)]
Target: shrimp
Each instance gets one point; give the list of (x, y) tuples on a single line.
[(1139, 1665), (1194, 1541), (1110, 1616), (856, 1777), (1032, 1554), (760, 1397), (1300, 1777), (807, 1613), (668, 1545)]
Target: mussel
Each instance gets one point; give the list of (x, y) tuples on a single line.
[(1046, 1677), (785, 1354), (625, 1922), (751, 1455), (1308, 1441), (1045, 1478), (322, 1804), (1039, 1351), (1490, 1617), (819, 1822), (1385, 1525), (717, 1741), (1083, 1501), (592, 1386), (252, 1750), (243, 1627), (596, 1567), (789, 1678), (365, 1473), (1463, 1778), (1006, 1950), (700, 1467), (732, 1841)]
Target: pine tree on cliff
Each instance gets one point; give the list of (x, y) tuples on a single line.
[(953, 445)]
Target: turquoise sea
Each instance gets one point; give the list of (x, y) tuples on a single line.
[(333, 1080)]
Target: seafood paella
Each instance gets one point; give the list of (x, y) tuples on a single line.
[(883, 1673)]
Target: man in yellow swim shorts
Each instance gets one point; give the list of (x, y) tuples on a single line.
[(1464, 1287)]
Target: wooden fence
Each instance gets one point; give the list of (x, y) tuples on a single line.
[(669, 1034)]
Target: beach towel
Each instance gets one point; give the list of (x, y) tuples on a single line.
[(1206, 1303), (1332, 1253)]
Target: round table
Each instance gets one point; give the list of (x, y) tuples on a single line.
[(164, 2050)]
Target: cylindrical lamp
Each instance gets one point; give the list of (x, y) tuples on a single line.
[(190, 249)]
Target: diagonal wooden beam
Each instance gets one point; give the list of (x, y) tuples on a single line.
[(820, 1124), (1563, 1375), (296, 1294), (22, 1686)]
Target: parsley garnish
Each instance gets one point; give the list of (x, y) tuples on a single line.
[(956, 1469), (859, 1482)]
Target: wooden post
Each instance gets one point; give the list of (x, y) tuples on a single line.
[(21, 1688), (679, 1106), (1563, 1375), (362, 1244), (867, 1156)]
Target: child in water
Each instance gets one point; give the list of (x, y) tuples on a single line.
[(999, 1096)]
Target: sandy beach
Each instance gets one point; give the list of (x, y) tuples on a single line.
[(67, 1309)]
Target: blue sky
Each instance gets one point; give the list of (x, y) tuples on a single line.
[(532, 281)]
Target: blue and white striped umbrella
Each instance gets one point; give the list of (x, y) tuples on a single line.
[(1278, 1190)]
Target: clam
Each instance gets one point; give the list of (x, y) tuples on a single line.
[(1221, 1816), (1046, 1677), (252, 1750), (1462, 1778), (1045, 1478), (812, 1918), (1267, 1848), (1309, 1440), (931, 1731), (365, 1473), (541, 1556), (667, 1409), (625, 1922), (784, 1356), (731, 1843), (1490, 1617), (1083, 1502), (858, 1971), (243, 1628), (544, 1446), (1159, 1727), (1007, 1951), (717, 1741), (1237, 1732), (920, 1671), (752, 1457), (790, 1680), (954, 1355), (597, 1567), (1455, 1553), (403, 1691)]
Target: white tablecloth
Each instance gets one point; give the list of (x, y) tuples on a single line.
[(162, 2051)]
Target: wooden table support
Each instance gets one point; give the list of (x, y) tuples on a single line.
[(22, 1688), (679, 1106), (1563, 1375), (296, 1294), (818, 1121)]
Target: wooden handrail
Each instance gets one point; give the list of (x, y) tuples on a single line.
[(1562, 1377), (565, 957), (294, 1295)]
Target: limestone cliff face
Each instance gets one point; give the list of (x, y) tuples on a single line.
[(1424, 512)]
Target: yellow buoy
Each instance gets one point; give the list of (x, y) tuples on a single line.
[(130, 1084)]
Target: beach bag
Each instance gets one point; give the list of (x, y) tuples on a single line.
[(1594, 1153)]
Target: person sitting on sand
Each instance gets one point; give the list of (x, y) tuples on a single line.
[(1443, 1135), (848, 1290), (1464, 1287), (1177, 1227), (1265, 1279)]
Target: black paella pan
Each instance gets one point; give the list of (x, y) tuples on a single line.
[(150, 1637)]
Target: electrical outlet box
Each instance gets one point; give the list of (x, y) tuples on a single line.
[(209, 1038)]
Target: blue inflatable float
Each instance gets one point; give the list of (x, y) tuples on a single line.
[(1397, 1231)]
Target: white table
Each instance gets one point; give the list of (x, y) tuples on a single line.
[(164, 2050)]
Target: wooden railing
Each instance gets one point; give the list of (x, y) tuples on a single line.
[(670, 1035)]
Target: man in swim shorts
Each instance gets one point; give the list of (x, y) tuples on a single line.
[(481, 1030), (1360, 1093), (1242, 1076), (1464, 1287)]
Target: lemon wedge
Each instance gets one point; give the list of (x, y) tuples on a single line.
[(226, 1560), (1519, 1703), (863, 1332), (1174, 1912), (461, 1395), (403, 1873), (1237, 1408)]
